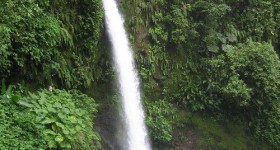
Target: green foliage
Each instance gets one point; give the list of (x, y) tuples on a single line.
[(17, 128), (247, 80), (223, 134), (4, 52), (160, 120), (41, 40), (196, 55), (33, 35), (48, 120), (249, 74)]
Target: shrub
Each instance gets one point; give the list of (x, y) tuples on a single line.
[(160, 120), (246, 81), (17, 129), (48, 120)]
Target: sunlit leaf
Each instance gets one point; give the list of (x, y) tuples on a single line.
[(213, 48)]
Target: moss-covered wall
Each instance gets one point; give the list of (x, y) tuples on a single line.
[(214, 57)]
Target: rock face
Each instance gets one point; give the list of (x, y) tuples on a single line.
[(106, 125)]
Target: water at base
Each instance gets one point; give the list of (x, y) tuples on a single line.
[(137, 136)]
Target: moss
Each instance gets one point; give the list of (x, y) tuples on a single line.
[(207, 133)]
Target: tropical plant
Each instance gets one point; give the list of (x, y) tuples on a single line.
[(47, 120), (42, 41), (160, 120)]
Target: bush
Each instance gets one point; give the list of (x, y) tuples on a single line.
[(245, 80), (48, 120), (17, 128), (160, 115)]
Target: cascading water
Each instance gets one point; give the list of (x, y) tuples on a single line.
[(137, 137)]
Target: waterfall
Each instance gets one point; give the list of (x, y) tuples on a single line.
[(137, 136)]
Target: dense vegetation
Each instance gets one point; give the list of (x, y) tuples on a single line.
[(214, 57), (46, 42), (197, 59), (47, 120), (51, 41)]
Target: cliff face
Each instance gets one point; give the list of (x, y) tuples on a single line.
[(202, 57)]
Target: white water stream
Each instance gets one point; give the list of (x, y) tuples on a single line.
[(137, 136)]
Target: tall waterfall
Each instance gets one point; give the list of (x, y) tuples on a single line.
[(137, 136)]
